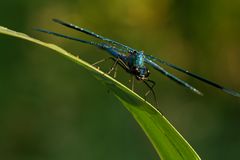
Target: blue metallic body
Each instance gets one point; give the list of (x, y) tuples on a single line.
[(135, 61)]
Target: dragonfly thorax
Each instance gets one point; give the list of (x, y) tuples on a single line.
[(136, 65), (136, 59)]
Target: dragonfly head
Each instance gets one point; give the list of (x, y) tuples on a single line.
[(141, 73)]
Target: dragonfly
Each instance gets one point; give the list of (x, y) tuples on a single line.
[(135, 61)]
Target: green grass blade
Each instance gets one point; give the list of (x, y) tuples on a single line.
[(166, 140)]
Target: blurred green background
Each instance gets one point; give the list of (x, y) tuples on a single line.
[(52, 109)]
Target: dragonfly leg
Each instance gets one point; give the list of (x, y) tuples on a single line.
[(117, 61), (113, 66), (121, 63), (100, 61), (115, 72), (133, 79), (125, 67), (150, 89)]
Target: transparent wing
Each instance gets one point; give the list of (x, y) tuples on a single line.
[(229, 91), (112, 50), (71, 38), (172, 77), (83, 30)]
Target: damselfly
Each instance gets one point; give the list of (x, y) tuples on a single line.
[(134, 61)]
